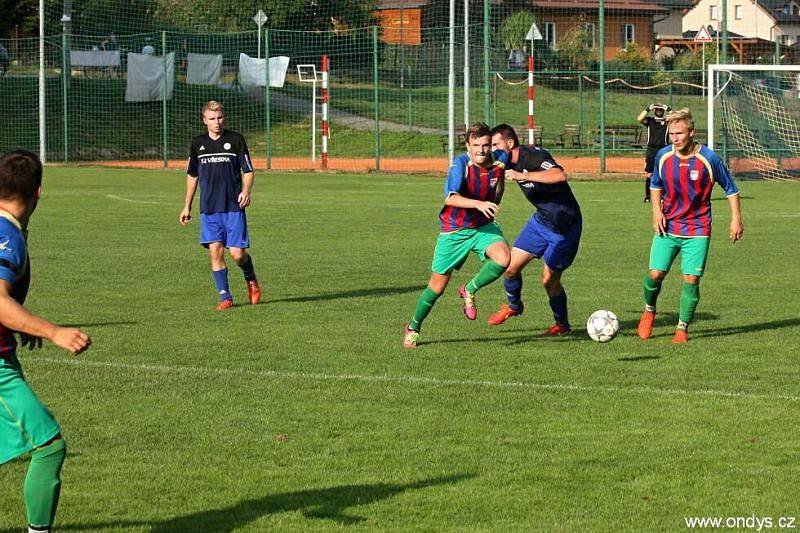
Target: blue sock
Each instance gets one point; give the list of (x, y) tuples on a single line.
[(247, 269), (221, 281), (558, 304), (514, 292)]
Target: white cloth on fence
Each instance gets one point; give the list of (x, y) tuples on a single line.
[(203, 69), (94, 58), (252, 71), (146, 77)]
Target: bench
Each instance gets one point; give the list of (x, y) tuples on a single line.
[(622, 136), (570, 138)]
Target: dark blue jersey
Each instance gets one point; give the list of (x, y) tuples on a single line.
[(219, 165), (14, 269), (556, 206)]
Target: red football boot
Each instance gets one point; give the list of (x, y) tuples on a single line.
[(645, 327), (253, 292), (505, 312), (225, 304), (680, 336), (556, 331)]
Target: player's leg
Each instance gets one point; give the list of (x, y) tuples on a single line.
[(558, 256), (26, 425), (492, 249), (647, 187), (512, 283), (450, 253), (649, 166), (43, 484), (212, 236), (220, 271), (694, 253), (663, 251), (238, 241)]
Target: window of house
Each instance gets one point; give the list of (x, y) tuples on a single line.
[(794, 9), (549, 34), (588, 29), (737, 12), (713, 13), (628, 35), (785, 39)]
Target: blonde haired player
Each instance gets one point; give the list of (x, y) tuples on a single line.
[(680, 195), (220, 163)]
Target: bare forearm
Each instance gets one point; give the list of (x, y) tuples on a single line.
[(499, 190), (16, 318), (247, 182), (655, 201), (736, 213), (456, 200), (641, 116), (549, 176), (191, 188)]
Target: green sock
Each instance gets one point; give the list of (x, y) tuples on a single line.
[(424, 305), (651, 290), (43, 483), (690, 296), (487, 274)]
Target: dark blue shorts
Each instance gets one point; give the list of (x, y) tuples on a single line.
[(228, 228), (558, 250)]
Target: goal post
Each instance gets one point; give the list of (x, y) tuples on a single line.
[(757, 108)]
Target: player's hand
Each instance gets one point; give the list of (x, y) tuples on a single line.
[(71, 339), (649, 108), (489, 209), (185, 217), (31, 341), (244, 199), (660, 224), (736, 231), (515, 176)]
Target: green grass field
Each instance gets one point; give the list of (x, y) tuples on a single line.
[(305, 413)]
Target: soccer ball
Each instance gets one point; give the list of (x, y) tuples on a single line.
[(602, 326)]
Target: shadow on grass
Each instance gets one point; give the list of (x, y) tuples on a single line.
[(635, 358), (747, 328), (326, 504), (357, 293), (101, 324)]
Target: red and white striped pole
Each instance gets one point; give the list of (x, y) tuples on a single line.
[(324, 112), (530, 99)]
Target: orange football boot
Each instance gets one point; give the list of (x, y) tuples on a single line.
[(225, 304), (556, 330), (680, 336), (645, 328), (505, 312), (253, 292)]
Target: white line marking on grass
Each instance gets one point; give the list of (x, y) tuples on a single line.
[(415, 380), (115, 197)]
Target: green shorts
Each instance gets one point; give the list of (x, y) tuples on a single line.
[(25, 423), (453, 248), (694, 252)]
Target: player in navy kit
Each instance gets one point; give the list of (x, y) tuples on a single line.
[(553, 233), (26, 425), (220, 162)]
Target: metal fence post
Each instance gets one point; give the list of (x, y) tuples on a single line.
[(602, 24), (64, 80), (486, 103), (267, 133), (375, 97), (164, 97)]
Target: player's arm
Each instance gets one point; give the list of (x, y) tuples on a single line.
[(191, 189), (15, 317), (543, 169), (723, 177), (489, 209), (192, 172), (642, 116), (248, 177), (656, 194)]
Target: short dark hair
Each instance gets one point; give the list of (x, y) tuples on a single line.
[(476, 131), (20, 175), (507, 132)]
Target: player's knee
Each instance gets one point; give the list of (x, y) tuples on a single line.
[(238, 255), (657, 275), (691, 280), (502, 258)]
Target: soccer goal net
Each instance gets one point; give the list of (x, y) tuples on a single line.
[(754, 116)]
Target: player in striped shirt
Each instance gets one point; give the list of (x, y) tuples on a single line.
[(680, 190), (473, 190)]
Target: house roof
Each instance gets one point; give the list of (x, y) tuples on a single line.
[(610, 5), (401, 4), (674, 3), (776, 7), (689, 34)]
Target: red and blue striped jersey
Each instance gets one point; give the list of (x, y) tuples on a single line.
[(471, 181), (686, 183), (14, 269)]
